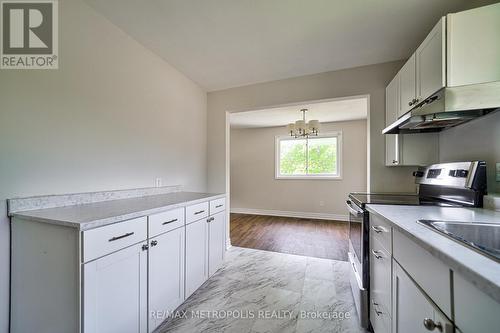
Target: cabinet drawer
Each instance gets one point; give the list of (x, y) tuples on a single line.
[(381, 230), (431, 274), (380, 276), (104, 240), (217, 205), (379, 317), (165, 221), (196, 212)]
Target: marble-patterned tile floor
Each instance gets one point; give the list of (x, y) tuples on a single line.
[(258, 291)]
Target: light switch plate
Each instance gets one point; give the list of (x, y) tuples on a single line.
[(498, 172)]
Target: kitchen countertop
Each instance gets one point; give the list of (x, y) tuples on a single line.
[(98, 214), (478, 269)]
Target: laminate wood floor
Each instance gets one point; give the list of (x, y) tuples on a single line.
[(307, 237)]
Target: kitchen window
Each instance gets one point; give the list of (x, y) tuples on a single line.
[(317, 157)]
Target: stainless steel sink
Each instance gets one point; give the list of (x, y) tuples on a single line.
[(482, 237)]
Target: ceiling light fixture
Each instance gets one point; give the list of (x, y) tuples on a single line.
[(303, 129)]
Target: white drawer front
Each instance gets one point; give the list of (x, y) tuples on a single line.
[(217, 205), (380, 276), (431, 274), (382, 231), (165, 221), (196, 212), (104, 240), (379, 317)]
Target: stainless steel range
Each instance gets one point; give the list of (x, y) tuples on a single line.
[(459, 184)]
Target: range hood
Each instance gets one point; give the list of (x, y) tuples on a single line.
[(450, 106)]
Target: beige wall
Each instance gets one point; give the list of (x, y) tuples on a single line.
[(476, 140), (253, 183), (113, 116), (370, 80)]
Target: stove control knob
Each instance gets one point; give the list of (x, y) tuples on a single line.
[(453, 173), (462, 173), (418, 173)]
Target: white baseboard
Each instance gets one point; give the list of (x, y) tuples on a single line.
[(304, 215)]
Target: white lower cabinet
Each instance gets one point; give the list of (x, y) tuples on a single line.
[(380, 274), (115, 292), (196, 255), (475, 310), (125, 277), (165, 275), (413, 311), (216, 233), (380, 287)]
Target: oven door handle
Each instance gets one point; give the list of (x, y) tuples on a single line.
[(352, 210)]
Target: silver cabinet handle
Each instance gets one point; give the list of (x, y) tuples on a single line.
[(154, 243), (377, 254), (120, 237), (171, 221), (395, 162), (210, 219), (198, 212), (219, 206), (145, 247), (430, 325), (377, 229)]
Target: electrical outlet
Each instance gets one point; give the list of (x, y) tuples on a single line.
[(158, 182), (498, 172)]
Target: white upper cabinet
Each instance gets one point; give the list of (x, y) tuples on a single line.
[(406, 149), (407, 91), (392, 101), (431, 62), (473, 46), (463, 48)]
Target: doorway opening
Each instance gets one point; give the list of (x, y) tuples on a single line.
[(287, 185)]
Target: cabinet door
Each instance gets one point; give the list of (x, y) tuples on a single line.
[(165, 275), (411, 307), (411, 149), (115, 292), (392, 101), (392, 149), (406, 86), (473, 49), (196, 255), (431, 62), (216, 230), (475, 310)]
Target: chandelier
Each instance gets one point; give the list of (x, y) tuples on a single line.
[(303, 129)]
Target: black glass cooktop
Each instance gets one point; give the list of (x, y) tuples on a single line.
[(362, 199)]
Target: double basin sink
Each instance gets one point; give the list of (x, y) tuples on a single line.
[(481, 237)]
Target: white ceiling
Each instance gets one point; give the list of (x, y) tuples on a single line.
[(227, 43), (324, 111)]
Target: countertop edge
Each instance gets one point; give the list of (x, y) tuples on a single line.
[(480, 281), (114, 219)]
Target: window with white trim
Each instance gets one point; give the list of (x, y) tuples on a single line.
[(314, 157)]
